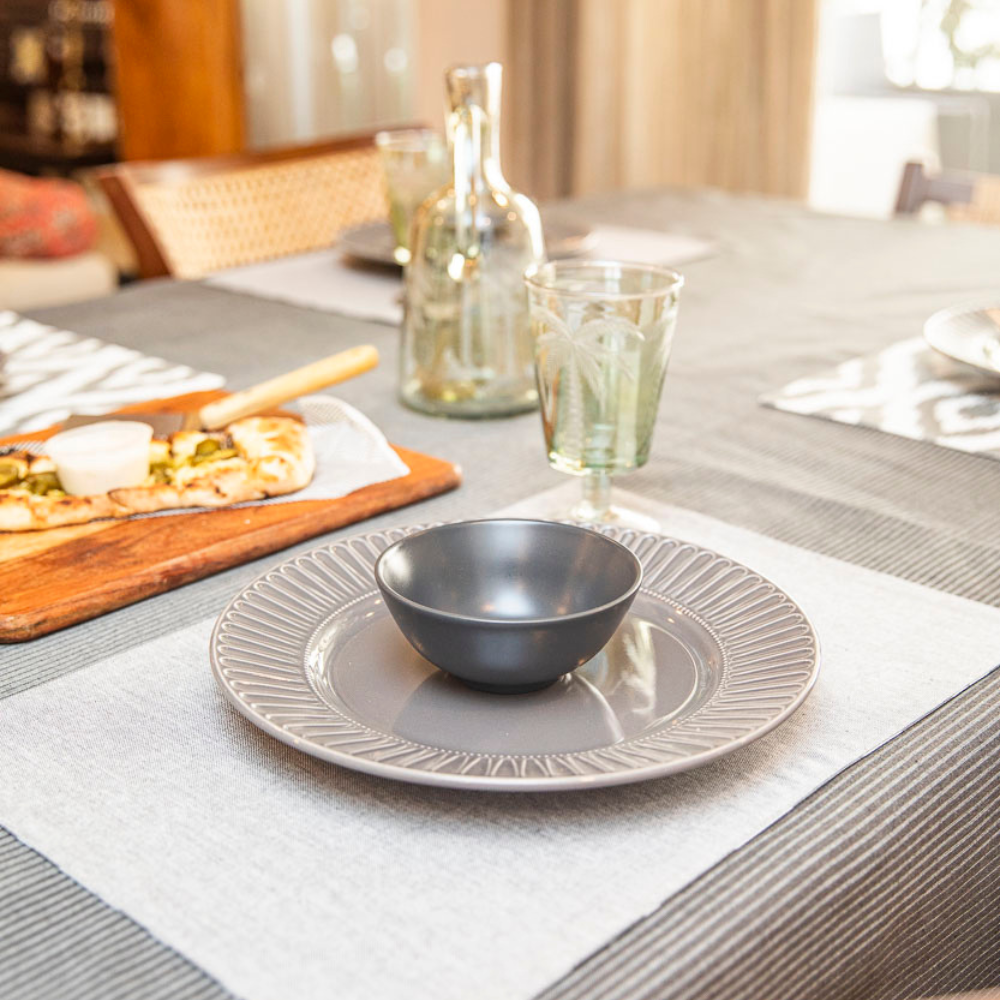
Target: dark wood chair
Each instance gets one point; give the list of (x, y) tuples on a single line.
[(188, 218), (967, 197)]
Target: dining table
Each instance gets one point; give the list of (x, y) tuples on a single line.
[(155, 844)]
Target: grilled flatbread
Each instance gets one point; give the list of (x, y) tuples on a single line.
[(251, 459)]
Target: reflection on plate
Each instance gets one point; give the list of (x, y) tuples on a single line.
[(710, 657), (969, 333), (374, 243)]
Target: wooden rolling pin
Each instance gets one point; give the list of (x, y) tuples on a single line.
[(272, 393)]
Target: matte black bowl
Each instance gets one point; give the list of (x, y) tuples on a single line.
[(508, 605)]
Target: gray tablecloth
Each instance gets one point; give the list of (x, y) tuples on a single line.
[(880, 884)]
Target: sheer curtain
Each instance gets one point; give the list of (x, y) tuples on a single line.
[(599, 94), (638, 93)]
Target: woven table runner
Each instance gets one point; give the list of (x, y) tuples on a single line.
[(279, 875), (907, 389)]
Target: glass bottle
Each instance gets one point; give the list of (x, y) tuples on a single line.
[(467, 349)]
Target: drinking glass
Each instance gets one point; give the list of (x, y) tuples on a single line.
[(415, 163), (602, 333)]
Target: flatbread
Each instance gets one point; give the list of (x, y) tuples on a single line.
[(251, 459)]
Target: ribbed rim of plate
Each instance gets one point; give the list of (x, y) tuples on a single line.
[(942, 322), (771, 659)]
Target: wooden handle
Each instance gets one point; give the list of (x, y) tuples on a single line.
[(302, 381)]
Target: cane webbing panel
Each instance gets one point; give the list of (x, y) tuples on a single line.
[(206, 224)]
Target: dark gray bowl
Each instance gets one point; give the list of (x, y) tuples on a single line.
[(508, 605)]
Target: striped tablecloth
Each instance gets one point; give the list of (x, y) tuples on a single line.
[(882, 882)]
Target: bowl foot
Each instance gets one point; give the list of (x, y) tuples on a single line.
[(507, 688)]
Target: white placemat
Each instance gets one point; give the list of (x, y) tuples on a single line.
[(47, 374), (320, 280), (285, 877), (323, 280)]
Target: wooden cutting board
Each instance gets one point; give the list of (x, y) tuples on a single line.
[(63, 576)]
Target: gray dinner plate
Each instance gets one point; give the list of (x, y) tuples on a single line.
[(374, 243), (968, 333), (711, 657)]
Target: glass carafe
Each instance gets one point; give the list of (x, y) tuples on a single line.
[(467, 349)]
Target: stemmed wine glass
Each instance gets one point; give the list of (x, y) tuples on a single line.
[(602, 335)]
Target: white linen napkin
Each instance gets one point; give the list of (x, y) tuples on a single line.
[(351, 452)]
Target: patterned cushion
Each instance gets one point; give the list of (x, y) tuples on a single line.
[(43, 218)]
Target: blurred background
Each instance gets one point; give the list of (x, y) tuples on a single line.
[(818, 100)]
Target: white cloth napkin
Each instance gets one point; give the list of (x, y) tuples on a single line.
[(283, 876), (351, 452)]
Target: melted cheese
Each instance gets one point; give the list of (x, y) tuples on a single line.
[(42, 464), (185, 474), (183, 443)]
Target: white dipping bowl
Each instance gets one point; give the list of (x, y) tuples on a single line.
[(95, 458)]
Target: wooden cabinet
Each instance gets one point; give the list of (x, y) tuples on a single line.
[(56, 111), (178, 78)]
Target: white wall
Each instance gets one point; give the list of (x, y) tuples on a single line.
[(448, 32)]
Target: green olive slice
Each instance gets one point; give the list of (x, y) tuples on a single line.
[(160, 471), (216, 455), (41, 482)]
